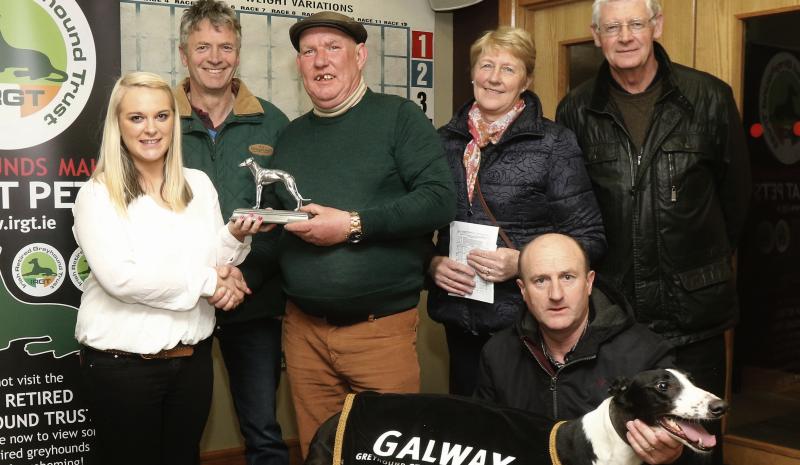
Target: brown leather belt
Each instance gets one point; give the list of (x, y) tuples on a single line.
[(180, 350)]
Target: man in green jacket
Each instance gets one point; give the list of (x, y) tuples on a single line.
[(373, 166), (224, 124)]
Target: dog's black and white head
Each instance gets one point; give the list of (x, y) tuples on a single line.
[(667, 398)]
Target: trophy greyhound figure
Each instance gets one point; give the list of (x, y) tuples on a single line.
[(264, 177)]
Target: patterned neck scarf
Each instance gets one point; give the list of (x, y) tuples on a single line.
[(482, 133)]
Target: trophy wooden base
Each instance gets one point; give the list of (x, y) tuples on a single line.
[(272, 216)]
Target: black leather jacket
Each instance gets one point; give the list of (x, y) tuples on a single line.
[(674, 211), (515, 372), (534, 182)]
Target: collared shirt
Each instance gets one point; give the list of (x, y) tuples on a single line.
[(205, 118)]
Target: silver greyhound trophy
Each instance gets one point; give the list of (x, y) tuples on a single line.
[(265, 177)]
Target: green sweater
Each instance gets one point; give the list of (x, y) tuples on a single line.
[(383, 159), (250, 130)]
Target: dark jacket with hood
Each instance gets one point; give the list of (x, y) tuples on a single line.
[(515, 372), (673, 211), (535, 182)]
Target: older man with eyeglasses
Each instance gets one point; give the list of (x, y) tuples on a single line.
[(666, 152)]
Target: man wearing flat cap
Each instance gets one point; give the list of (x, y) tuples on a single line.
[(373, 165)]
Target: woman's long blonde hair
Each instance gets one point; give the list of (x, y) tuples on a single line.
[(116, 169)]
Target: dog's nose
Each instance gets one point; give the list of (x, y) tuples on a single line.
[(717, 407)]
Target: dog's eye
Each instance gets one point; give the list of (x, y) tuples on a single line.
[(662, 386)]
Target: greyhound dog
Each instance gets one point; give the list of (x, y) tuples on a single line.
[(265, 177), (31, 63), (406, 429)]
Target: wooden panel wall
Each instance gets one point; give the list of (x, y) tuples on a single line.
[(553, 29), (679, 29), (720, 35)]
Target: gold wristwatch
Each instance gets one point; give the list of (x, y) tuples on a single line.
[(355, 234)]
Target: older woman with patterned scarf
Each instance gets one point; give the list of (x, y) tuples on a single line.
[(514, 169)]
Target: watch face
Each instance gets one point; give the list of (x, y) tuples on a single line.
[(354, 237)]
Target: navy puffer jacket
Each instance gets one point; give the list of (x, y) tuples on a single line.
[(535, 182)]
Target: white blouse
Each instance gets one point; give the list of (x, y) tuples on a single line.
[(150, 271)]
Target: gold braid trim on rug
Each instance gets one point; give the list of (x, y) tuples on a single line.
[(337, 445), (553, 452)]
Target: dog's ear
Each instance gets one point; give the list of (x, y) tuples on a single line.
[(620, 389), (619, 386)]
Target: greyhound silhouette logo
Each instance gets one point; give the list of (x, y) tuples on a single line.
[(47, 327), (47, 69), (38, 270), (32, 64), (78, 268), (779, 107)]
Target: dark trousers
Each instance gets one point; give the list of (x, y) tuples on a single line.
[(252, 354), (705, 362), (149, 411), (465, 353)]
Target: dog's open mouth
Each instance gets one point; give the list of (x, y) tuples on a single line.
[(692, 434)]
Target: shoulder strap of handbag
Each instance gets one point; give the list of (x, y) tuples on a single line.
[(488, 211)]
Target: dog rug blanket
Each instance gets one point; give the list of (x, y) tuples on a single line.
[(431, 429)]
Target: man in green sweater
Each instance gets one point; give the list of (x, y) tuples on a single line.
[(373, 166), (222, 124)]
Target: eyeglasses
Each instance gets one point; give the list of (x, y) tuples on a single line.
[(614, 29)]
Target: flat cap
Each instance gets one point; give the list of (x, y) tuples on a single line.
[(332, 19)]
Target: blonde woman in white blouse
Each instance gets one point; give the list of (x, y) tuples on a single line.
[(161, 260)]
